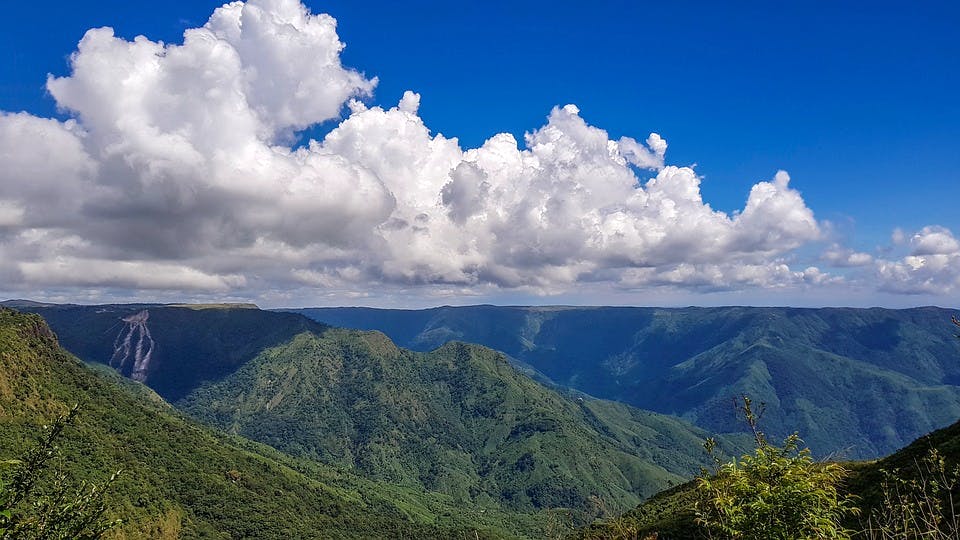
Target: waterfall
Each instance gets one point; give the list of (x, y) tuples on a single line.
[(133, 347)]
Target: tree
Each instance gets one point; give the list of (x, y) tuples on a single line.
[(775, 493), (59, 510)]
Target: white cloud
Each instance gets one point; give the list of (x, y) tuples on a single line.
[(11, 214), (64, 271), (841, 257), (898, 237), (645, 157), (178, 172), (930, 268), (933, 240)]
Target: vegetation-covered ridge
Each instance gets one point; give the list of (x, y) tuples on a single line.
[(182, 480), (860, 383), (171, 348), (459, 420)]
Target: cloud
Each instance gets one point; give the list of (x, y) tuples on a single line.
[(724, 277), (842, 257), (934, 240), (72, 272), (179, 171), (930, 268)]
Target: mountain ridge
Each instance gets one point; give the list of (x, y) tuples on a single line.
[(355, 400), (823, 371)]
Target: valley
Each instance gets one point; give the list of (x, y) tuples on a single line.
[(449, 435)]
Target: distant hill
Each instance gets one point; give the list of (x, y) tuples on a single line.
[(181, 480), (171, 348), (857, 382), (459, 420)]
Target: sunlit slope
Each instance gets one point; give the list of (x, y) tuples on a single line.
[(671, 514), (459, 420)]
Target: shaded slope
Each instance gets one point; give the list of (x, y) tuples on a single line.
[(879, 378), (182, 480), (186, 346)]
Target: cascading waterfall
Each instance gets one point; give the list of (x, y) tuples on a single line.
[(133, 345)]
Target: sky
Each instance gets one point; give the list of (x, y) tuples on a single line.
[(425, 153)]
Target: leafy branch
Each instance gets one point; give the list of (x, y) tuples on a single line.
[(59, 512)]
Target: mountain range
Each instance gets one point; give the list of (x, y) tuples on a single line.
[(180, 479), (230, 421), (459, 421), (857, 383)]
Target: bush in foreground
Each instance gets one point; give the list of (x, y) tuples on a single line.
[(775, 493)]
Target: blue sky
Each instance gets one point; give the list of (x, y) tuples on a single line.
[(857, 101)]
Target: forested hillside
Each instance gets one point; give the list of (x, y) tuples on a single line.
[(459, 421), (181, 480), (912, 493), (856, 382)]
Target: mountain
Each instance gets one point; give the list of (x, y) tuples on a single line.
[(459, 420), (856, 382), (182, 480)]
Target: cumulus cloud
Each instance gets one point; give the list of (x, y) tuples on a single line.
[(178, 171), (930, 268), (934, 240)]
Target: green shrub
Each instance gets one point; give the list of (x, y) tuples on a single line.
[(775, 493)]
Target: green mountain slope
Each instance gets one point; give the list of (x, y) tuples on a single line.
[(181, 480), (857, 382), (459, 421)]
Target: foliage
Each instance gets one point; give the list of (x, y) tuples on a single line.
[(774, 493), (913, 493), (61, 510), (918, 503), (494, 437)]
